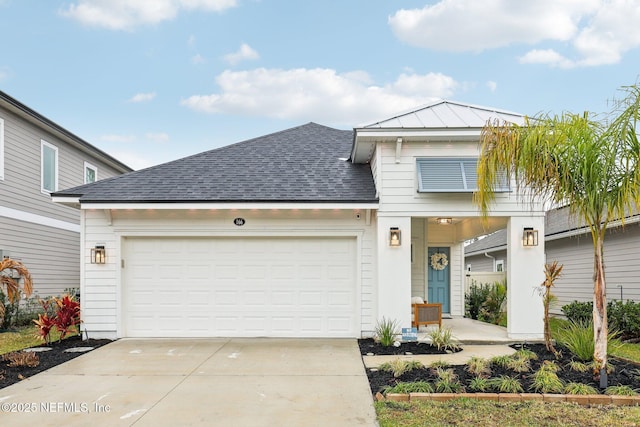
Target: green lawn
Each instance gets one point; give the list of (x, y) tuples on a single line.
[(22, 337), (479, 413)]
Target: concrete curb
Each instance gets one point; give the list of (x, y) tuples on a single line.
[(583, 400)]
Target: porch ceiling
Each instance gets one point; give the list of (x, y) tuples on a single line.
[(467, 228)]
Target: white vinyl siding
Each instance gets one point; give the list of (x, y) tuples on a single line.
[(1, 148), (49, 167), (105, 286), (90, 173)]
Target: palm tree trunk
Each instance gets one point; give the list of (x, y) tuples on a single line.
[(599, 309)]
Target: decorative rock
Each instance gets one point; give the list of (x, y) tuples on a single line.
[(379, 397), (408, 353), (36, 349), (397, 343), (370, 354), (78, 349)]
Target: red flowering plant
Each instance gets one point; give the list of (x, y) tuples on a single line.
[(65, 318)]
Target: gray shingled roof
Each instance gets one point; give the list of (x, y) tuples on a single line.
[(302, 164)]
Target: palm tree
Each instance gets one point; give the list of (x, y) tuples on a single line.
[(591, 165), (11, 285)]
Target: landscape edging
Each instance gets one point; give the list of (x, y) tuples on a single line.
[(583, 400)]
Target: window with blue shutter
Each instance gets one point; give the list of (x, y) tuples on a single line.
[(451, 175)]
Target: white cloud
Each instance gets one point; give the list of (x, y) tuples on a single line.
[(156, 136), (125, 139), (197, 59), (142, 97), (133, 159), (127, 14), (245, 53), (599, 31), (304, 94), (492, 85), (4, 73)]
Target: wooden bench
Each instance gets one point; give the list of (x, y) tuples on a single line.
[(427, 314)]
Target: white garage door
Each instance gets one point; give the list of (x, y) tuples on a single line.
[(240, 287)]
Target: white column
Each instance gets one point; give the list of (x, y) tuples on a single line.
[(394, 271), (525, 273)]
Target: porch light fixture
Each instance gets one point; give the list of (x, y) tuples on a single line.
[(444, 221), (395, 236), (98, 255), (529, 237)]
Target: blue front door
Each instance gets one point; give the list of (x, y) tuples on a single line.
[(438, 277)]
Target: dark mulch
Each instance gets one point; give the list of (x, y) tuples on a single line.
[(48, 359), (625, 373), (369, 346)]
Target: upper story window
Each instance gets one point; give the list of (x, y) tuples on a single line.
[(1, 148), (451, 175), (49, 168), (90, 173)]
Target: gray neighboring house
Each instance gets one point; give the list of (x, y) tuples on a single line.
[(569, 242), (38, 157)]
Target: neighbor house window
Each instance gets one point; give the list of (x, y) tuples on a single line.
[(90, 173), (451, 175), (49, 156), (1, 148), (500, 266)]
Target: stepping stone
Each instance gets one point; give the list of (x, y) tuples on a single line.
[(78, 349), (36, 349)]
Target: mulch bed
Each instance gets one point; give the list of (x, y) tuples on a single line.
[(48, 359), (369, 347), (626, 373)]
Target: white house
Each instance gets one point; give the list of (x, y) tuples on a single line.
[(308, 232)]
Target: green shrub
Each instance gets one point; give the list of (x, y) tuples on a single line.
[(624, 317), (578, 339), (412, 387), (474, 299), (579, 388), (579, 312), (442, 339), (620, 390), (545, 380), (506, 384), (478, 366), (20, 313), (485, 301), (479, 384), (399, 366), (447, 382), (386, 331)]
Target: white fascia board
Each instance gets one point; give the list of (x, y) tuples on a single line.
[(446, 134), (228, 206), (66, 200)]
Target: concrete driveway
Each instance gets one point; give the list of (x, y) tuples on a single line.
[(213, 382)]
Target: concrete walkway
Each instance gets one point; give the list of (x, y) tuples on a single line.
[(225, 382)]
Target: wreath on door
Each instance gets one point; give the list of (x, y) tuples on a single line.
[(439, 261)]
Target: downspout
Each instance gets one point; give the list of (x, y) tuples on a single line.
[(493, 269)]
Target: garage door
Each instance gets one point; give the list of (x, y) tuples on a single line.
[(234, 287)]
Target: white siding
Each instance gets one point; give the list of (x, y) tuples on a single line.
[(398, 185), (101, 283)]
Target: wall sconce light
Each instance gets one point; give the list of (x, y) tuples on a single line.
[(395, 236), (98, 255), (444, 221), (529, 237)]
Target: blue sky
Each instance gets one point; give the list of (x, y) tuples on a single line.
[(149, 81)]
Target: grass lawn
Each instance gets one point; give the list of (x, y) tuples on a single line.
[(23, 337), (478, 413)]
